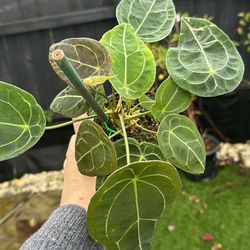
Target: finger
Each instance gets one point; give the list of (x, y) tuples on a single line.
[(77, 124), (70, 155), (65, 164)]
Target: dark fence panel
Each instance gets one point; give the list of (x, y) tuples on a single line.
[(28, 28)]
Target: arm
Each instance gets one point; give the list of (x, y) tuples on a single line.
[(66, 228)]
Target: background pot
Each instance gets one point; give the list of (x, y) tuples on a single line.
[(211, 168)]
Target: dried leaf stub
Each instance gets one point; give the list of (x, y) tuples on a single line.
[(87, 56)]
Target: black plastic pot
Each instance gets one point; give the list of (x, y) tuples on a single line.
[(211, 168)]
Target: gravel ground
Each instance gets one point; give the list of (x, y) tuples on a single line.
[(35, 183), (238, 153)]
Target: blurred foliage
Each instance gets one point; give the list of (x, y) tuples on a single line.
[(49, 114), (243, 30)]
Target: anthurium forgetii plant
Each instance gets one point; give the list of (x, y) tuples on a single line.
[(137, 180)]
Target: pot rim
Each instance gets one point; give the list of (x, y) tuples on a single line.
[(216, 141)]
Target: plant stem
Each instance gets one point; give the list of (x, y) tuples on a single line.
[(129, 106), (69, 71), (119, 104), (69, 122), (98, 93), (145, 129), (131, 117), (134, 107), (125, 138), (120, 131)]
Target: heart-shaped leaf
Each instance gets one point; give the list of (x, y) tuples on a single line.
[(87, 56), (170, 98), (181, 143), (95, 153), (152, 20), (143, 151), (69, 103), (146, 102), (133, 68), (206, 61), (124, 211), (22, 121)]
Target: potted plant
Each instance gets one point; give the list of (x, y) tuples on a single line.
[(137, 180)]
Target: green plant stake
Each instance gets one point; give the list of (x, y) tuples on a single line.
[(136, 177), (69, 71)]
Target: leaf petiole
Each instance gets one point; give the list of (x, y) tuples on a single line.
[(125, 138), (120, 131), (131, 117), (145, 129), (69, 122)]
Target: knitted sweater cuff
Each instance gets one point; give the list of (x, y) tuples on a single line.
[(65, 229)]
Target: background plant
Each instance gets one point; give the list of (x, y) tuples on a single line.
[(136, 180), (243, 30)]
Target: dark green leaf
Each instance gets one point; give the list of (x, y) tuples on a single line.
[(22, 121), (206, 61), (87, 56), (69, 103), (124, 211), (170, 99), (181, 143), (146, 102), (100, 180), (152, 20), (143, 151), (95, 153), (133, 68)]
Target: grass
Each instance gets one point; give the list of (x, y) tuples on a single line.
[(220, 207)]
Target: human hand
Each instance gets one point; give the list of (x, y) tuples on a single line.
[(77, 188)]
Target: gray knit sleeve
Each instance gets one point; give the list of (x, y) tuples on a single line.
[(65, 229)]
